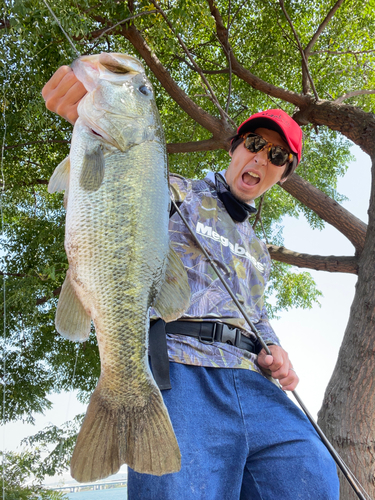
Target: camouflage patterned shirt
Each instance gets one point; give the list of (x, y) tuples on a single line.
[(244, 262)]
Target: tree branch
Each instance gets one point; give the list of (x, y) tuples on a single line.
[(287, 36), (36, 142), (337, 52), (223, 114), (235, 14), (191, 147), (42, 300), (6, 186), (327, 209), (353, 122), (353, 93), (218, 128), (14, 274), (320, 29), (258, 216), (245, 75), (205, 71), (4, 24), (305, 67), (229, 63), (125, 21), (332, 263)]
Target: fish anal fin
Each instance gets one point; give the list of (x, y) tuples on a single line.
[(72, 321), (174, 296), (92, 173), (59, 180), (110, 436)]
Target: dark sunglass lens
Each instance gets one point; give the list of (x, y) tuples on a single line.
[(254, 143), (278, 156)]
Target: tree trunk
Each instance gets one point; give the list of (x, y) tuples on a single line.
[(347, 415)]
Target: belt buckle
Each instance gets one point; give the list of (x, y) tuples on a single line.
[(205, 339), (230, 335)]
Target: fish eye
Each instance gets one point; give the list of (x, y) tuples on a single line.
[(144, 90)]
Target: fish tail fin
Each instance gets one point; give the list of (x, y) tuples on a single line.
[(152, 446), (140, 436)]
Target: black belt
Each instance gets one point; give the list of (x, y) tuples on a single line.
[(210, 331), (205, 331)]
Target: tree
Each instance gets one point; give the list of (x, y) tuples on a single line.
[(23, 479), (219, 62)]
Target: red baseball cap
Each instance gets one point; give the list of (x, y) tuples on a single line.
[(279, 121)]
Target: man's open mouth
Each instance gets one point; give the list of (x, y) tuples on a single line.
[(250, 178)]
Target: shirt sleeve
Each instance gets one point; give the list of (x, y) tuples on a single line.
[(265, 329), (179, 187)]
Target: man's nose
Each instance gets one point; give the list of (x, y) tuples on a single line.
[(262, 156)]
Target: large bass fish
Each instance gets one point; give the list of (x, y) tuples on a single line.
[(120, 264)]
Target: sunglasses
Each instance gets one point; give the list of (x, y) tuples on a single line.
[(277, 155)]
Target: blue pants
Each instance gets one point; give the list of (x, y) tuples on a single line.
[(241, 438)]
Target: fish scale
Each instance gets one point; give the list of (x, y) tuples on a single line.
[(120, 264)]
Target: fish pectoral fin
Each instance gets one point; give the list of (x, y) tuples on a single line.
[(72, 321), (92, 173), (174, 296), (60, 177)]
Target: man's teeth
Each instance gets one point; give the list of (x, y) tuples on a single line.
[(254, 175)]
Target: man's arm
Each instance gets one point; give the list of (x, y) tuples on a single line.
[(63, 92)]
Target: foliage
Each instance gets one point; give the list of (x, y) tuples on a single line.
[(20, 483), (57, 444), (291, 288), (38, 360)]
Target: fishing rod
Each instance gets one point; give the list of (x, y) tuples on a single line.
[(353, 481), (343, 467)]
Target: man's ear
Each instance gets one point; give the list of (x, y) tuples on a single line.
[(282, 181)]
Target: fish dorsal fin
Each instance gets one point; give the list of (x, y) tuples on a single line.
[(92, 173), (72, 321), (60, 177), (174, 297)]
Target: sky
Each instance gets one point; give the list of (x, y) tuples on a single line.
[(311, 337)]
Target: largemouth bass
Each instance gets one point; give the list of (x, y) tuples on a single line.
[(120, 264)]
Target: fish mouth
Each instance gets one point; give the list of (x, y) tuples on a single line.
[(120, 63), (113, 67)]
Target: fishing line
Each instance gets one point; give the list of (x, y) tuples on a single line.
[(4, 277), (62, 29), (353, 481), (77, 349), (69, 399), (72, 382)]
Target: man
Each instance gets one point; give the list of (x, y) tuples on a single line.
[(239, 434)]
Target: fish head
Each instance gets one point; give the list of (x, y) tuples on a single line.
[(120, 103)]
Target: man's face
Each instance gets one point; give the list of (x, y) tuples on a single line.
[(249, 175)]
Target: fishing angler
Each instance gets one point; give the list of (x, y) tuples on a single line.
[(220, 365)]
